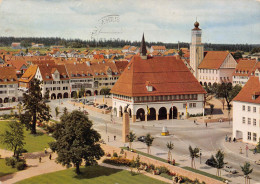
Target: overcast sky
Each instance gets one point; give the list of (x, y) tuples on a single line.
[(222, 21)]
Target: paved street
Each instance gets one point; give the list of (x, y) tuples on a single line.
[(182, 133)]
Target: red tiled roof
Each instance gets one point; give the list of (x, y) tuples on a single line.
[(167, 75), (245, 67), (29, 74), (8, 73), (78, 69), (126, 47), (158, 47), (213, 59), (46, 71), (252, 87)]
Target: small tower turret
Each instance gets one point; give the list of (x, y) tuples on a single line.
[(143, 51)]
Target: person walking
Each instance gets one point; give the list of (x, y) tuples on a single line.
[(45, 150), (206, 124), (194, 121), (40, 159), (255, 150), (107, 138), (229, 139), (114, 137), (240, 150), (50, 156), (226, 138), (246, 150)]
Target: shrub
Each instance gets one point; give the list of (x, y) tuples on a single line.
[(115, 154), (118, 161), (163, 169), (21, 165), (10, 161)]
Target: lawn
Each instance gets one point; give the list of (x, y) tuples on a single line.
[(151, 156), (34, 143), (5, 170), (92, 174)]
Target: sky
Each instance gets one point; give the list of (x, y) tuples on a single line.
[(169, 21)]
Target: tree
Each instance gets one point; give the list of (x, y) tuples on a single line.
[(20, 109), (105, 91), (219, 161), (131, 137), (194, 153), (228, 92), (246, 170), (181, 53), (76, 141), (57, 112), (170, 147), (47, 95), (13, 138), (81, 93), (149, 141), (65, 111), (237, 55), (26, 43), (35, 107)]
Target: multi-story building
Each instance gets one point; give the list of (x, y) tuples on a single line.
[(8, 85), (246, 111), (158, 48), (217, 66), (244, 69), (163, 86)]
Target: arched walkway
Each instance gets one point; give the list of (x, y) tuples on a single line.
[(152, 115), (140, 114), (88, 93), (120, 113), (53, 96), (59, 96), (13, 99), (175, 113), (6, 100), (65, 95), (115, 111), (129, 112), (96, 92), (205, 84), (209, 84), (162, 113), (1, 101), (74, 94), (200, 83)]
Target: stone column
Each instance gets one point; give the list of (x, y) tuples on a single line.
[(120, 114), (134, 118), (168, 116), (178, 115), (146, 117), (157, 116), (125, 127)]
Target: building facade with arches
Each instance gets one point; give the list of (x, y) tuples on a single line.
[(156, 88)]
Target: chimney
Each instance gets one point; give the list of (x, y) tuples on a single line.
[(143, 50)]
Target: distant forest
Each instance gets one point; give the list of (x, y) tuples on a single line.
[(78, 43)]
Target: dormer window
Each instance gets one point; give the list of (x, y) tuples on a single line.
[(96, 73), (102, 73), (83, 74), (47, 76), (64, 76), (149, 88), (115, 73)]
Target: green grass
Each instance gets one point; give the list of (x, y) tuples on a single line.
[(91, 174), (5, 170), (151, 156), (33, 142), (204, 173), (55, 121), (167, 176)]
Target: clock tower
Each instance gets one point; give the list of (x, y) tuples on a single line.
[(196, 49)]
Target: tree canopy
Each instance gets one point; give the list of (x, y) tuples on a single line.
[(76, 141), (34, 106)]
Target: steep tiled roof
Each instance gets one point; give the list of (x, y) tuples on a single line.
[(29, 74), (167, 75), (121, 65), (213, 59), (17, 63), (158, 47), (8, 75), (126, 47), (78, 70), (47, 75), (251, 88), (245, 67)]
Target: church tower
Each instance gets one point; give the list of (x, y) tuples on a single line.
[(196, 49)]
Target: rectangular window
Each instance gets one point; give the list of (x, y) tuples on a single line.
[(244, 108), (254, 109), (184, 105), (58, 88), (244, 120), (194, 104), (254, 136), (249, 121), (190, 105), (54, 88), (248, 108), (254, 122), (249, 135)]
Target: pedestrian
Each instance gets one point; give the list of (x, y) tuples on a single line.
[(45, 150), (194, 121), (255, 150), (206, 124), (229, 139), (114, 137), (107, 138), (226, 138), (234, 139), (240, 150), (246, 150), (40, 159), (50, 157)]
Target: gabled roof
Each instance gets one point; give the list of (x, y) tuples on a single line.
[(245, 67), (47, 75), (252, 87), (213, 60), (8, 74), (78, 70), (167, 75), (29, 74), (158, 47)]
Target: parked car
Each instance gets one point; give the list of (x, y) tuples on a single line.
[(109, 108), (229, 169), (257, 162), (141, 138), (90, 103), (102, 106), (210, 162)]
